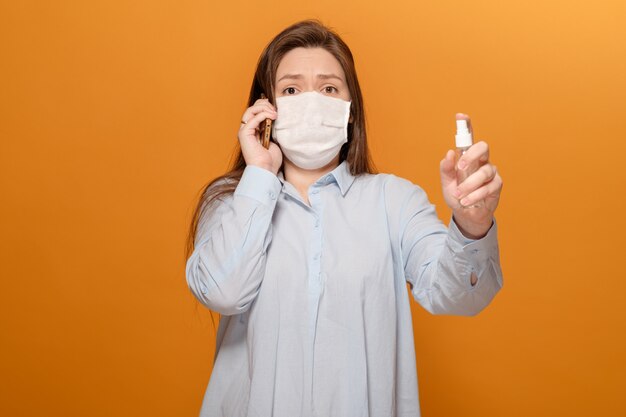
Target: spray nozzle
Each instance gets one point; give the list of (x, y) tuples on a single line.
[(463, 136)]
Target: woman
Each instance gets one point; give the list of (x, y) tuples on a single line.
[(306, 253)]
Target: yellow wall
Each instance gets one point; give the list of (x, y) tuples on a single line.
[(114, 113)]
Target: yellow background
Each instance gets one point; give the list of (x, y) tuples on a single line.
[(114, 113)]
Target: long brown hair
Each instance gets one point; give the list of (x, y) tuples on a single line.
[(306, 34)]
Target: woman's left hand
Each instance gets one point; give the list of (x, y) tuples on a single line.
[(474, 201)]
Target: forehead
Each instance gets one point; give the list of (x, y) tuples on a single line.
[(309, 61)]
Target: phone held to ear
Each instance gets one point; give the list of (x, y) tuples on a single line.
[(266, 130)]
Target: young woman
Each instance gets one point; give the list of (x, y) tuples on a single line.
[(306, 253)]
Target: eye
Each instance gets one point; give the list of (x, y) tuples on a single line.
[(289, 91), (330, 89)]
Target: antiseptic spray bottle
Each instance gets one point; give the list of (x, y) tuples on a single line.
[(463, 142)]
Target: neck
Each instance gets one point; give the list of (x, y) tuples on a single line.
[(302, 179)]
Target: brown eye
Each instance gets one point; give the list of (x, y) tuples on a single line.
[(289, 90), (331, 89)]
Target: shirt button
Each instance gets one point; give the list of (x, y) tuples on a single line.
[(317, 256), (272, 195), (317, 223), (315, 191)]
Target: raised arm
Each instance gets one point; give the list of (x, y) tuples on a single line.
[(227, 266), (460, 273)]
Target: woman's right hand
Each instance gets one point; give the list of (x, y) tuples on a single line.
[(250, 138)]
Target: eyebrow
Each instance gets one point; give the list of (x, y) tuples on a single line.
[(300, 76)]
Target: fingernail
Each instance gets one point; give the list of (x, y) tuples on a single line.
[(462, 164), (465, 201), (457, 193)]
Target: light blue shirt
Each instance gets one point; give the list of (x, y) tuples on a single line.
[(316, 315)]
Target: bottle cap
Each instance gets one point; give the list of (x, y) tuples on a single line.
[(463, 136)]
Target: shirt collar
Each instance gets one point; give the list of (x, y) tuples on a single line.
[(340, 175), (343, 177)]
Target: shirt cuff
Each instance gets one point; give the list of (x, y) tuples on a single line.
[(259, 184), (476, 248)]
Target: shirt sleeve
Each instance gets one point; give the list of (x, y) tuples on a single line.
[(226, 268), (438, 262)]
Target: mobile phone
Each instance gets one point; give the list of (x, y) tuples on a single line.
[(266, 130)]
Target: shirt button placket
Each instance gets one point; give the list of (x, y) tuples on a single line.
[(316, 244), (314, 279)]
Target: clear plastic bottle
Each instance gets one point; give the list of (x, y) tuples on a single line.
[(464, 140)]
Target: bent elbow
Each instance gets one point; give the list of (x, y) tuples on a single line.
[(220, 295), (479, 299), (462, 308), (226, 306)]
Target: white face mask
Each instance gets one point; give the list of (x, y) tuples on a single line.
[(311, 128)]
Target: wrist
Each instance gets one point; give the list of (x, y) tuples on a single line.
[(267, 167), (473, 230)]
